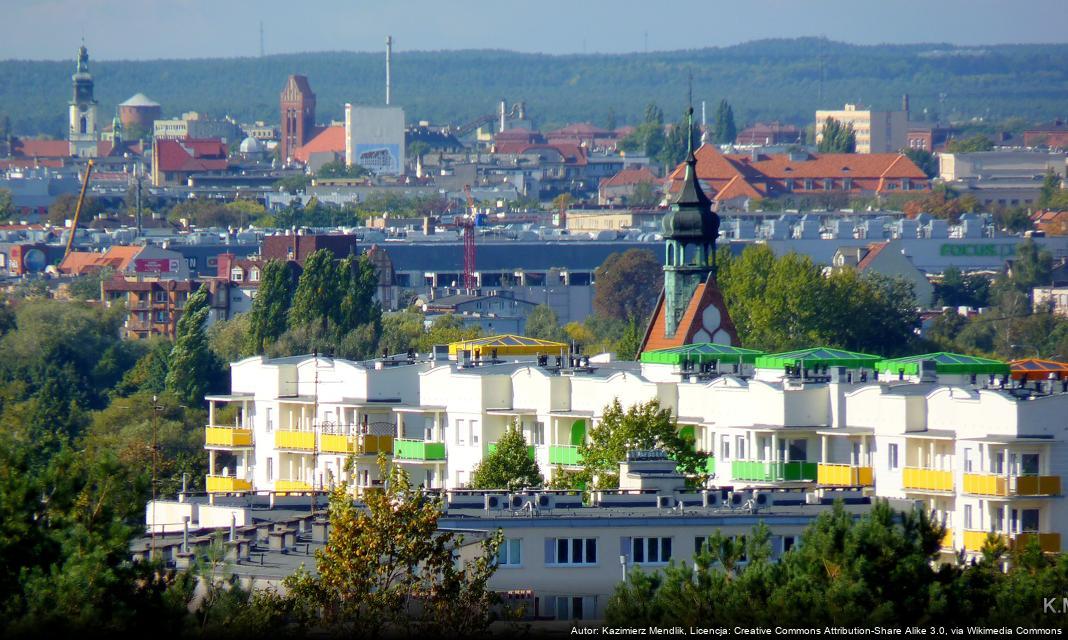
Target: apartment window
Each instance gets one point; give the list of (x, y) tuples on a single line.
[(574, 607), (999, 462), (237, 274), (160, 296), (725, 448), (798, 450), (967, 460), (161, 316), (891, 456), (647, 550), (968, 524), (539, 433), (740, 448), (270, 469), (510, 552), (460, 431), (1029, 520), (571, 551), (788, 542), (270, 419), (473, 425), (254, 275), (1029, 464)]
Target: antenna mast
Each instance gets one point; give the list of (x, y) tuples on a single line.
[(389, 70)]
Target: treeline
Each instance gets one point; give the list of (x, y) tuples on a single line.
[(764, 80)]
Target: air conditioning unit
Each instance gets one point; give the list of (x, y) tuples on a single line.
[(546, 500), (665, 502), (518, 501), (812, 498), (710, 499), (493, 501), (737, 498), (762, 499)]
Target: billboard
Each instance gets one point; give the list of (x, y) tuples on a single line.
[(155, 265), (379, 158)]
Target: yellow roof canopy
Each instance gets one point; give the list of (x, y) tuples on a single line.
[(507, 345)]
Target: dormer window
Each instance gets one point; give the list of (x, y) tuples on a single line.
[(237, 274), (254, 275)]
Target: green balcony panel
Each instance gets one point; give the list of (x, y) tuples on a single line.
[(564, 454), (418, 450)]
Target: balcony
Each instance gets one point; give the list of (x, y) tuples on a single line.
[(759, 471), (295, 440), (947, 540), (227, 437), (844, 475), (419, 450), (710, 465), (331, 443), (374, 444), (974, 540), (917, 479), (530, 449), (1049, 542), (291, 485), (227, 484), (565, 454), (989, 484)]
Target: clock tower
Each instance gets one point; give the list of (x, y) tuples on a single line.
[(84, 128)]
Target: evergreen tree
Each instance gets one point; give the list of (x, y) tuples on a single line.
[(510, 466), (270, 308), (358, 281), (192, 365), (543, 324), (836, 137), (724, 130), (317, 300)]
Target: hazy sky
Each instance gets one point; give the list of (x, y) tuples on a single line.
[(140, 29)]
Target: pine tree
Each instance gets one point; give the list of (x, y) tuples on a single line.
[(191, 361), (510, 466), (724, 130), (316, 300), (270, 308)]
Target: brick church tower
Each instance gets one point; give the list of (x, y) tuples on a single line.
[(297, 106)]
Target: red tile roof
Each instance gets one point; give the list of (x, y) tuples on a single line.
[(874, 249), (707, 294), (188, 155), (40, 149), (628, 177), (326, 139)]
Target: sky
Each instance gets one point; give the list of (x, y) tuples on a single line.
[(154, 29)]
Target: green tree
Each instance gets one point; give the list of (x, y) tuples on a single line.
[(645, 195), (401, 331), (338, 169), (192, 365), (62, 209), (87, 287), (628, 284), (973, 144), (228, 339), (149, 373), (7, 208), (270, 308), (724, 130), (542, 323), (642, 426), (316, 300), (1031, 267), (358, 283), (509, 466), (446, 329), (389, 568), (836, 137), (925, 160)]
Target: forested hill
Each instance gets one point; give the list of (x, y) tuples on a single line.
[(765, 80)]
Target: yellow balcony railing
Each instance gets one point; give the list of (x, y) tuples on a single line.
[(1038, 486), (331, 443), (227, 437), (927, 479), (291, 485), (989, 484), (974, 540), (844, 475), (374, 444), (986, 484), (227, 484), (297, 440), (947, 539), (1050, 542)]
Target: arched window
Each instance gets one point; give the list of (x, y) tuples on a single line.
[(84, 126)]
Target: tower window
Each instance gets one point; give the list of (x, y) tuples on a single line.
[(83, 126)]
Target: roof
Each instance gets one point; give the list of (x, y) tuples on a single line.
[(508, 345), (874, 249), (944, 363), (326, 140), (189, 155), (117, 257), (691, 327), (40, 148), (630, 177), (817, 356), (701, 352), (1036, 369), (139, 100)]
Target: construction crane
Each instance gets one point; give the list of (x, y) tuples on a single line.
[(78, 209), (467, 223)]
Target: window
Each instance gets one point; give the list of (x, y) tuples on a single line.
[(725, 448), (161, 316), (539, 433), (740, 448), (788, 542), (891, 456), (160, 296), (968, 517), (510, 552), (798, 450), (270, 419), (254, 275), (1029, 464), (999, 462), (574, 607), (647, 550), (460, 431), (237, 274), (473, 425), (270, 469), (968, 460), (1029, 520), (570, 551)]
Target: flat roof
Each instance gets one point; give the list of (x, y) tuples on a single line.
[(233, 397)]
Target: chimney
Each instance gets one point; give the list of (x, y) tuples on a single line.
[(389, 67), (503, 114), (905, 103), (223, 264)]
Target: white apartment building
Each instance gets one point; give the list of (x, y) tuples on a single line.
[(876, 131), (951, 432)]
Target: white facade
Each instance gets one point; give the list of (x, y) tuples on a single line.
[(374, 138), (980, 458)]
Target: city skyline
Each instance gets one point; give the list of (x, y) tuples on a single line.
[(45, 29)]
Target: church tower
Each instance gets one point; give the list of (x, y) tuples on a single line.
[(297, 106), (84, 129), (691, 308)]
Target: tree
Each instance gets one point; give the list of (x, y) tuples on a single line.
[(192, 365), (228, 339), (87, 287), (642, 426), (509, 466), (270, 308), (7, 208), (644, 196), (358, 284), (1031, 267), (446, 329), (338, 169), (959, 290), (973, 144), (389, 567), (724, 130), (543, 324), (925, 160), (62, 209), (648, 137), (315, 302), (836, 138), (401, 331), (628, 284)]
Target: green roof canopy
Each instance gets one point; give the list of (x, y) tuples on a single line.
[(944, 363), (818, 356), (700, 353)]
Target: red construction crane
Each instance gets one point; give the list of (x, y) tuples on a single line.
[(467, 223)]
